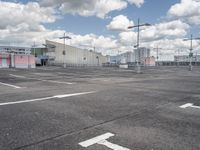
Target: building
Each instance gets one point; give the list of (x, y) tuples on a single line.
[(16, 57), (15, 49), (186, 58), (141, 54), (4, 60), (40, 54), (60, 54), (127, 57), (150, 61)]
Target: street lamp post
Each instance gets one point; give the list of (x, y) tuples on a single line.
[(157, 53), (138, 42), (191, 48), (64, 51)]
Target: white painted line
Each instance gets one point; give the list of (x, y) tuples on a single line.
[(17, 76), (186, 105), (60, 82), (189, 105), (95, 140), (46, 98), (112, 146), (16, 87), (75, 94), (102, 140)]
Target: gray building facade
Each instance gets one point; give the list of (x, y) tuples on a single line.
[(141, 54), (59, 53)]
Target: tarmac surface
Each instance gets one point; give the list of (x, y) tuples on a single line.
[(52, 108)]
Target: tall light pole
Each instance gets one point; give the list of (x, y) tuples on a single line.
[(177, 57), (138, 42), (64, 51), (157, 53), (191, 48)]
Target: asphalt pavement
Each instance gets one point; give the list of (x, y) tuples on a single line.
[(51, 108)]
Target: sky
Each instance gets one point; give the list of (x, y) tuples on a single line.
[(102, 24)]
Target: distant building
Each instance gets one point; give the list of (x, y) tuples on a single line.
[(127, 57), (150, 61), (186, 58), (15, 49), (133, 57), (141, 54), (59, 54), (16, 57), (40, 54)]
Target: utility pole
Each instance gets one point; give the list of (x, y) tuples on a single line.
[(157, 53), (191, 48), (64, 51), (34, 48), (138, 42)]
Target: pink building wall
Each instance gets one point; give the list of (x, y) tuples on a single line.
[(18, 61), (21, 61), (150, 61)]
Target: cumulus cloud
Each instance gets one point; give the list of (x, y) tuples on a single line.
[(187, 10), (23, 23), (120, 23), (128, 38), (99, 8), (29, 15), (92, 7), (138, 3), (91, 40), (172, 29)]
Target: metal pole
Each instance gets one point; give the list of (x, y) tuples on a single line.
[(157, 57), (190, 65), (138, 49), (178, 58), (34, 48), (64, 53)]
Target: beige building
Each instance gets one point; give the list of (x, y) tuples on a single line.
[(71, 56)]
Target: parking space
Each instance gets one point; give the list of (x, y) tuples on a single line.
[(100, 109)]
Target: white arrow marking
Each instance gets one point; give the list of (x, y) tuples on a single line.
[(16, 87), (189, 105), (102, 140), (46, 98)]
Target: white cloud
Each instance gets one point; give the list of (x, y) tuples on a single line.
[(138, 3), (93, 7), (120, 23), (29, 15), (91, 40), (128, 38), (173, 29), (187, 10), (21, 24), (99, 8)]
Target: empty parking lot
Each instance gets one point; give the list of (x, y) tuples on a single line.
[(100, 109)]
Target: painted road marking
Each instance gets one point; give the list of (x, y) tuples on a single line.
[(189, 105), (17, 76), (60, 82), (102, 140), (46, 98), (10, 85)]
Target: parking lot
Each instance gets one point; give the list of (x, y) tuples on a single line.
[(52, 108)]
